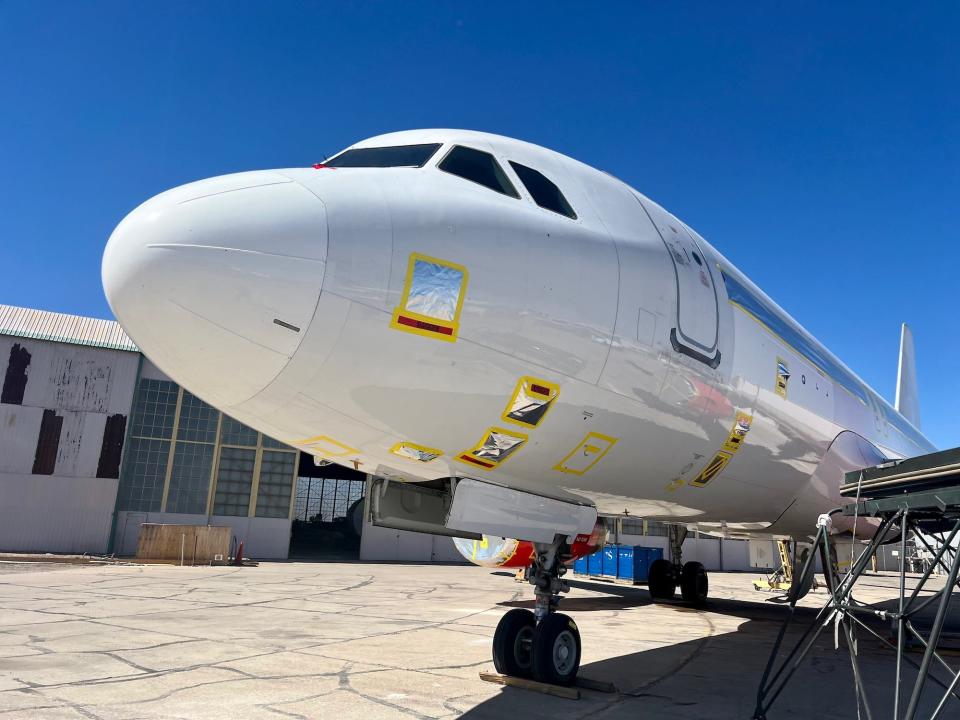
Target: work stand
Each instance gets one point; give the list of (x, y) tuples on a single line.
[(909, 500)]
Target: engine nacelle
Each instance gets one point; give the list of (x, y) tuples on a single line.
[(502, 552)]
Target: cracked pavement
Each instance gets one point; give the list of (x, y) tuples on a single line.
[(356, 640)]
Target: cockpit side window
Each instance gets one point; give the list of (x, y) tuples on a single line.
[(410, 156), (479, 167), (543, 191)]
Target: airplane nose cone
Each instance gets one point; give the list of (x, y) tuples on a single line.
[(218, 280)]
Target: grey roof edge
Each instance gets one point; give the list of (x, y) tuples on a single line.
[(64, 328)]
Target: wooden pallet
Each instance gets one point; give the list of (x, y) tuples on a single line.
[(570, 693)]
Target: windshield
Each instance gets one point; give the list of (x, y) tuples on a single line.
[(383, 157)]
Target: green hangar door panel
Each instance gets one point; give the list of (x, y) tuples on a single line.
[(697, 321)]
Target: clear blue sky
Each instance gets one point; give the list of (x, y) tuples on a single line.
[(816, 144)]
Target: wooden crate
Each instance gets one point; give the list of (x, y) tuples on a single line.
[(200, 544)]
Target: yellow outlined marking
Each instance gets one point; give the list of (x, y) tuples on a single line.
[(738, 433), (425, 325), (730, 447), (783, 375), (417, 453), (481, 455), (712, 469), (586, 454), (532, 399), (327, 446)]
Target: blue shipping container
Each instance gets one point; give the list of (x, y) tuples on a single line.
[(611, 560), (595, 564), (580, 566), (635, 561)]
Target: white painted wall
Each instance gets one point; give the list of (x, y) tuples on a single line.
[(379, 544), (69, 511), (48, 513)]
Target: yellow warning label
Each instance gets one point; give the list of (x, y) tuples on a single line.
[(531, 401), (738, 433), (713, 468), (783, 375)]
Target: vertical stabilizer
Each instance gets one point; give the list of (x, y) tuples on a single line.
[(907, 403)]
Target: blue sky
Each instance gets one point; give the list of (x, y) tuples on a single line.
[(816, 145)]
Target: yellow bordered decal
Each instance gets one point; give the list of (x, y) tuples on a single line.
[(783, 375), (439, 327), (738, 433), (417, 453), (495, 447), (712, 469), (327, 446), (586, 454), (530, 402)]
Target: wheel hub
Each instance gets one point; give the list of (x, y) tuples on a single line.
[(563, 652)]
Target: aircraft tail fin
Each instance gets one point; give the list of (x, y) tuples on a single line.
[(907, 402)]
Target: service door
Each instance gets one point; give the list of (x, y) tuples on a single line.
[(697, 321)]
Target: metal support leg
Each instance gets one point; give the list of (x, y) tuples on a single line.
[(933, 639), (545, 574), (677, 534)]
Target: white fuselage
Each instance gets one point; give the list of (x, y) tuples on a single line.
[(279, 297)]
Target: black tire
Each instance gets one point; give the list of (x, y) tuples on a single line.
[(662, 580), (556, 650), (693, 583), (513, 643)]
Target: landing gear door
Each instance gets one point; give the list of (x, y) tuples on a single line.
[(418, 507), (696, 331)]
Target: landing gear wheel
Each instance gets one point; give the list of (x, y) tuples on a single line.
[(662, 580), (693, 583), (513, 643), (556, 650)]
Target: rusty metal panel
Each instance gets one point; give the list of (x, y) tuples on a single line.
[(62, 327)]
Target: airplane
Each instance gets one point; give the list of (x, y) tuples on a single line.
[(513, 344)]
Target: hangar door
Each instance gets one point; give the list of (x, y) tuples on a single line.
[(696, 331)]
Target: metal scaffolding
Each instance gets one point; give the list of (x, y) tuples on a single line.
[(910, 508)]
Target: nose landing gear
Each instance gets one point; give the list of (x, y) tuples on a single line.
[(543, 644)]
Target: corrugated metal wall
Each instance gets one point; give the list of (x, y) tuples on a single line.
[(63, 412), (61, 327)]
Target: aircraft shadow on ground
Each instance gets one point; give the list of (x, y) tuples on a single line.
[(717, 675)]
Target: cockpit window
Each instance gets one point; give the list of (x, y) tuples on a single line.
[(412, 156), (479, 167), (543, 191)]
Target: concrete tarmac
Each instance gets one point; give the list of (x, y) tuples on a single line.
[(342, 641)]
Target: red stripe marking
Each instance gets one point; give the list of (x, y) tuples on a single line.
[(472, 459), (540, 389), (421, 325)]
